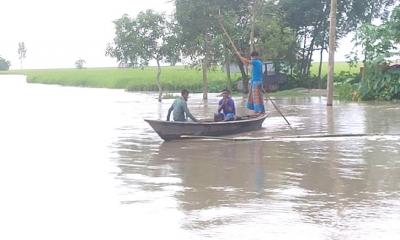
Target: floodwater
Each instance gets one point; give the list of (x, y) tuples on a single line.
[(80, 163)]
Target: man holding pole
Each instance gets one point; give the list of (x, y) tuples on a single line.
[(255, 100)]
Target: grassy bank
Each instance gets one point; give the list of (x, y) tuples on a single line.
[(172, 78)]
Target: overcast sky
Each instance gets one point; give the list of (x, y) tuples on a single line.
[(59, 32)]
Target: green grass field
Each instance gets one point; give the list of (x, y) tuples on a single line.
[(339, 67), (172, 78)]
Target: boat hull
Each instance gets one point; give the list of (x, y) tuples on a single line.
[(176, 130)]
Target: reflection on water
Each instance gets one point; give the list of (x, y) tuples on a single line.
[(99, 157), (336, 188)]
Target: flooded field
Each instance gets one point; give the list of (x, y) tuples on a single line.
[(80, 163)]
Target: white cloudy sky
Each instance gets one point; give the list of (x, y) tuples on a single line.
[(58, 32)]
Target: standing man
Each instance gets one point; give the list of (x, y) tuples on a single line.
[(181, 111), (255, 100)]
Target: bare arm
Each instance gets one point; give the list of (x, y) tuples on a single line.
[(169, 111), (221, 105), (244, 60), (187, 112), (220, 108), (234, 107)]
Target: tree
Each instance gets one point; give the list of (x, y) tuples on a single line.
[(364, 11), (147, 37), (21, 52), (125, 47), (259, 25), (197, 20), (309, 19), (4, 64), (237, 16), (276, 39), (79, 63), (203, 37), (394, 24), (378, 40), (378, 44)]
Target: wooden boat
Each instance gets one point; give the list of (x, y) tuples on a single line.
[(176, 130)]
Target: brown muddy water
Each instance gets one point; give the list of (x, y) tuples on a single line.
[(80, 163)]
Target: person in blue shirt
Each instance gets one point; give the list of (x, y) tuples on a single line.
[(255, 100), (226, 107), (180, 110)]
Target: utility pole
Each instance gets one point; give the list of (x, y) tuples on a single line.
[(332, 44)]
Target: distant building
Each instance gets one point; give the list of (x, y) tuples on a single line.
[(273, 79)]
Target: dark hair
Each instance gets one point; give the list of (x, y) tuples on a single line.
[(184, 91), (254, 54), (226, 90)]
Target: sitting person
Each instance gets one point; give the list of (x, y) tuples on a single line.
[(227, 106), (181, 111)]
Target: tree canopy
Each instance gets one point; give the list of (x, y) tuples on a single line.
[(148, 36), (4, 64), (286, 30)]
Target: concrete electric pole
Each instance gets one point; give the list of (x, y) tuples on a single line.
[(332, 44)]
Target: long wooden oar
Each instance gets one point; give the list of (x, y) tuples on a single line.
[(227, 36), (279, 111)]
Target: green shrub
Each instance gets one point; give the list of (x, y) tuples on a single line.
[(380, 82)]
